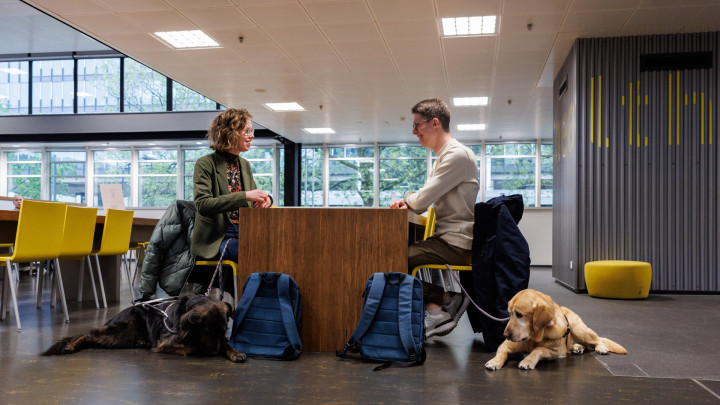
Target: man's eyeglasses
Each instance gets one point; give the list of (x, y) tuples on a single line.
[(415, 124)]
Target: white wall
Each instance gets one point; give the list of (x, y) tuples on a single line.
[(536, 226)]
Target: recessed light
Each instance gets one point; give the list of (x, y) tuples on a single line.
[(471, 127), (84, 94), (187, 39), (198, 143), (480, 25), (469, 101), (319, 131), (284, 106), (13, 71)]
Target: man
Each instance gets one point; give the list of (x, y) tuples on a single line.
[(452, 187), (17, 201)]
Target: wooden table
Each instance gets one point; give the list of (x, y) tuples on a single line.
[(141, 230), (330, 252)]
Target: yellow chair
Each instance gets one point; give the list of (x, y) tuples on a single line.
[(77, 241), (115, 241), (38, 237), (430, 231), (225, 263)]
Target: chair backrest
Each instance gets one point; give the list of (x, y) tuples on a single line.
[(78, 232), (116, 233), (430, 224), (39, 231)]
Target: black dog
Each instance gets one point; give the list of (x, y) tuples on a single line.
[(195, 324)]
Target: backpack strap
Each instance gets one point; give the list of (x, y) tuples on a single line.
[(372, 303), (248, 294), (405, 316), (288, 316)]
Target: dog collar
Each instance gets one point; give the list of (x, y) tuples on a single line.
[(567, 332)]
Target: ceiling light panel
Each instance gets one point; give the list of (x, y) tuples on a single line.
[(471, 127), (284, 106), (187, 39), (462, 26), (469, 101)]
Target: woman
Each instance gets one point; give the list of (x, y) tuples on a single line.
[(223, 183)]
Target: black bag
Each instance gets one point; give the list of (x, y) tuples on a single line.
[(501, 265)]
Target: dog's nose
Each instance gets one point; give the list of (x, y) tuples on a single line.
[(507, 335)]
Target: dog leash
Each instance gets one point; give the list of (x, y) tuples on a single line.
[(149, 304), (471, 300), (218, 271)]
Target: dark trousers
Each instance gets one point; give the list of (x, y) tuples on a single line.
[(435, 251)]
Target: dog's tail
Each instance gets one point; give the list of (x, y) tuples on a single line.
[(60, 347), (612, 346)]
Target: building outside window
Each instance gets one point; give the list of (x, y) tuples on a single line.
[(311, 177), (67, 176), (145, 89), (402, 169), (351, 172), (510, 169), (53, 86), (24, 170), (157, 177), (261, 163), (191, 156), (98, 85), (112, 167), (546, 175), (14, 88)]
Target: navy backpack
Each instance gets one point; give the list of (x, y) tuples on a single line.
[(266, 322), (391, 326)]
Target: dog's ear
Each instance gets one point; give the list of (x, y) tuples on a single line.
[(542, 315), (188, 319)]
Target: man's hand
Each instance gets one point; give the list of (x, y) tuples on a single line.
[(399, 203), (256, 195)]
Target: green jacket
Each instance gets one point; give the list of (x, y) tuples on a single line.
[(213, 200)]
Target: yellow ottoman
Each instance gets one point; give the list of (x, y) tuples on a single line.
[(618, 279)]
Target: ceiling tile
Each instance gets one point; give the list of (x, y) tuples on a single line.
[(217, 18), (468, 8), (134, 5), (105, 23), (402, 10), (526, 42), (361, 50), (670, 3), (521, 58), (364, 31), (534, 7), (297, 35), (154, 21), (593, 21), (279, 15), (663, 20), (71, 6), (211, 57), (594, 5), (186, 4), (130, 43), (469, 45), (429, 49), (276, 67), (705, 21), (252, 38), (314, 52), (410, 29), (338, 12), (541, 23), (259, 53)]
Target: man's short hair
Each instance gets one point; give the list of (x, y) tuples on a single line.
[(434, 108), (223, 133)]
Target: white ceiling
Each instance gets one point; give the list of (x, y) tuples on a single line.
[(358, 66)]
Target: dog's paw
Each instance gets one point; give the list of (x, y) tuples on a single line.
[(237, 357), (494, 365), (527, 365), (601, 349), (577, 348)]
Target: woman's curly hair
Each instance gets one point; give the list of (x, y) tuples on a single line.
[(223, 132)]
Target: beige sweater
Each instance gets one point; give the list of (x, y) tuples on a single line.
[(453, 188)]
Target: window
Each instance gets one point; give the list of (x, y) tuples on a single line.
[(546, 175), (311, 180), (186, 99), (279, 198), (510, 169), (52, 88), (112, 167), (23, 174), (157, 177), (351, 177), (145, 89), (67, 176), (402, 169), (191, 156), (261, 162), (98, 85), (14, 88)]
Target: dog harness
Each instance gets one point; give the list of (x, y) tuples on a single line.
[(149, 304)]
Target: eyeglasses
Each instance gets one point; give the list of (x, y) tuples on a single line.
[(250, 132), (415, 124)]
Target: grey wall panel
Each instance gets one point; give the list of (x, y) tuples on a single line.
[(645, 166)]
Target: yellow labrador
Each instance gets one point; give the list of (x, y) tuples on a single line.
[(545, 330)]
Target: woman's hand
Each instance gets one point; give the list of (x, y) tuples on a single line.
[(256, 195), (263, 204)]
